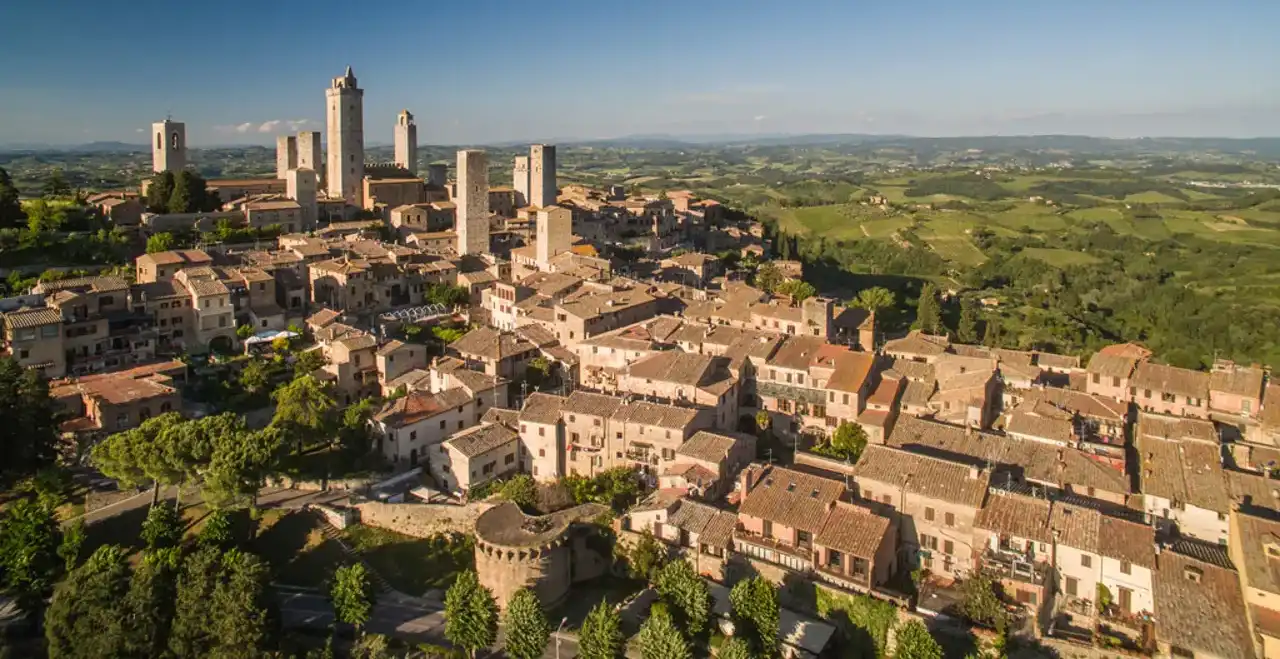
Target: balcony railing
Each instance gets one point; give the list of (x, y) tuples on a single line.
[(856, 581), (1015, 565), (774, 544)]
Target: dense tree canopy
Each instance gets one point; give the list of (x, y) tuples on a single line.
[(659, 637), (688, 596), (525, 626), (28, 428), (915, 642), (755, 610), (352, 594), (11, 214), (470, 614), (601, 634)]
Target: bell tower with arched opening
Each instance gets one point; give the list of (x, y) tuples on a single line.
[(168, 146)]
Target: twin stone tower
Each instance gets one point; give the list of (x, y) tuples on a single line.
[(298, 162)]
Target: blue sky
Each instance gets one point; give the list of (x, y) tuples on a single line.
[(485, 71)]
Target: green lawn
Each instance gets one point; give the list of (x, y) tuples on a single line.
[(412, 565), (1059, 258)]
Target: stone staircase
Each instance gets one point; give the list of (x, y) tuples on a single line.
[(331, 533)]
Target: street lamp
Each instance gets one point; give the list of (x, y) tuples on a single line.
[(563, 621)]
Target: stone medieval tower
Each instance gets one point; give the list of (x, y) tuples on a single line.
[(168, 146), (472, 224), (310, 153), (406, 142), (542, 175), (286, 155), (520, 180), (345, 112)]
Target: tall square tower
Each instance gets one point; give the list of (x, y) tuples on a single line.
[(311, 153), (345, 122), (555, 227), (542, 175), (406, 142), (472, 224), (168, 146), (286, 155), (520, 180), (300, 186)]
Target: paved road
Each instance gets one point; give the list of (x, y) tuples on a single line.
[(269, 497), (418, 621)]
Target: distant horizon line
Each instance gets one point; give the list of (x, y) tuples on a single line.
[(693, 139)]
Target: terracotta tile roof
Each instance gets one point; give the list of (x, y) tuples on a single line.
[(1254, 490), (177, 257), (1176, 428), (1127, 541), (917, 394), (917, 371), (27, 318), (537, 335), (685, 368), (1257, 534), (1016, 515), (1199, 607), (358, 342), (203, 287), (917, 343), (656, 414), (1076, 526), (1270, 416), (1130, 350), (1078, 402), (508, 418), (481, 439), (852, 529), (1178, 381), (419, 405), (490, 343), (391, 347), (719, 530), (1237, 380), (852, 370), (1110, 365), (473, 381), (1184, 472), (924, 475), (1051, 360), (709, 446), (542, 408), (100, 284), (1040, 427), (409, 380), (790, 497), (583, 402), (796, 352), (592, 304)]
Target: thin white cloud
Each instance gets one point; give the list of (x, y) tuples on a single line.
[(269, 126), (760, 117), (139, 130)]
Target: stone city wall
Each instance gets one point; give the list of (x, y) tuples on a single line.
[(422, 520)]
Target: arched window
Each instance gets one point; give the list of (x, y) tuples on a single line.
[(159, 140), (175, 140)]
